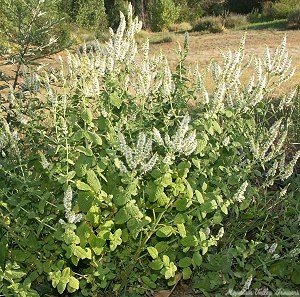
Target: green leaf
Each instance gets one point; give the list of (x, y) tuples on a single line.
[(183, 169), (202, 143), (133, 210), (181, 204), (228, 113), (161, 246), (181, 230), (70, 237), (170, 271), (189, 241), (65, 274), (189, 190), (165, 180), (199, 196), (165, 231), (97, 244), (217, 127), (209, 206), (87, 115), (202, 235), (93, 181), (148, 282), (115, 239), (179, 219), (185, 262), (93, 137), (81, 253), (83, 186), (115, 99), (122, 216), (93, 215), (156, 264), (197, 163), (161, 198), (152, 251), (187, 273), (166, 260), (197, 258), (85, 200), (3, 254), (217, 218), (61, 287), (55, 277), (73, 284), (84, 231), (86, 151), (150, 190), (296, 275), (224, 209)]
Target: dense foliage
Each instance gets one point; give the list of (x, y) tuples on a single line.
[(120, 175), (163, 14)]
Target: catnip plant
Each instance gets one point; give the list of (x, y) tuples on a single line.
[(121, 185)]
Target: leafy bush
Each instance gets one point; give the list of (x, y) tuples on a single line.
[(212, 7), (91, 14), (181, 27), (188, 12), (294, 18), (243, 6), (112, 9), (235, 21), (109, 181), (30, 27), (211, 24), (163, 14), (280, 9)]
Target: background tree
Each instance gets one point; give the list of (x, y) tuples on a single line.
[(31, 27), (244, 6), (113, 8), (163, 14)]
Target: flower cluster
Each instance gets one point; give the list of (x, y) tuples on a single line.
[(239, 196), (182, 142), (139, 157), (70, 215)]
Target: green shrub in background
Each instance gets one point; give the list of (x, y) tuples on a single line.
[(212, 24), (32, 29), (280, 9), (110, 182), (294, 18), (163, 14), (189, 10), (91, 15), (232, 21), (113, 8), (212, 7), (243, 6)]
